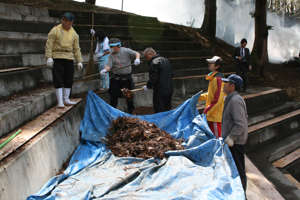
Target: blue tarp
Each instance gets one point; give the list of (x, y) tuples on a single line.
[(204, 170)]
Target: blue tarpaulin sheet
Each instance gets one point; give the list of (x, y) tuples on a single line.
[(204, 170)]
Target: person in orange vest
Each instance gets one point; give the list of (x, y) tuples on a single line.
[(214, 96)]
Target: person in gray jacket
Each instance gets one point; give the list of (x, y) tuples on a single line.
[(235, 123)]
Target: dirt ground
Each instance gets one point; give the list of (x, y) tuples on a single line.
[(284, 76)]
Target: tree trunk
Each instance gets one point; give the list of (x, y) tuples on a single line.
[(259, 55), (210, 18), (90, 2)]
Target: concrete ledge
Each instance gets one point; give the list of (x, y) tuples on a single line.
[(283, 147), (30, 18), (22, 35), (273, 112), (264, 100), (269, 131), (283, 185), (104, 16), (18, 81), (10, 9), (17, 111), (41, 158), (37, 46), (9, 61)]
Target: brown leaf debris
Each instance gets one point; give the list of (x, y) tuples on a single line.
[(133, 137)]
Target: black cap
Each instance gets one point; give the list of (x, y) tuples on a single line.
[(69, 16)]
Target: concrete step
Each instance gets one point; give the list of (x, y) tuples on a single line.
[(37, 46), (104, 16), (264, 156), (19, 60), (257, 100), (273, 112), (263, 99), (13, 10), (123, 22), (141, 38), (18, 81), (42, 27), (23, 107), (274, 129), (44, 36), (22, 35), (10, 61)]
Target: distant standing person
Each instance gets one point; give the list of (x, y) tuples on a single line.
[(62, 48), (242, 62), (120, 57), (235, 124), (214, 96), (160, 79), (102, 51)]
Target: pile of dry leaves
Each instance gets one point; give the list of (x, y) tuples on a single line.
[(132, 137)]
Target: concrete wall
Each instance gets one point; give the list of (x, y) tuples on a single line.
[(41, 159)]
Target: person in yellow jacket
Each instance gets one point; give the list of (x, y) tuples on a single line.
[(62, 48), (215, 96)]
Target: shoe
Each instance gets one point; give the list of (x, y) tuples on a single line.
[(59, 97), (67, 101)]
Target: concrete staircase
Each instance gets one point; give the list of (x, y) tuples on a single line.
[(49, 136)]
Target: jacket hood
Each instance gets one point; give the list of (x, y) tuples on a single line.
[(156, 56)]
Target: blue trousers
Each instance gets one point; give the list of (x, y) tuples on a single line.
[(105, 78)]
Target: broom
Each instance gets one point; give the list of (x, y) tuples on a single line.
[(90, 67)]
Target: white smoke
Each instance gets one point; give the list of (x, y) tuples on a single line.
[(283, 43)]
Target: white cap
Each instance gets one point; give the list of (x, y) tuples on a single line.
[(213, 60)]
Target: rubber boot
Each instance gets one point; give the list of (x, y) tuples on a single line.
[(66, 97), (59, 97)]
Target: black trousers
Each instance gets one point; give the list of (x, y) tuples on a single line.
[(237, 152), (242, 70), (162, 103), (63, 73), (115, 92)]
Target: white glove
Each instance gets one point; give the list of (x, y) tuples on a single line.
[(103, 71), (229, 141), (50, 62), (99, 55), (92, 31), (145, 88), (80, 66), (137, 62)]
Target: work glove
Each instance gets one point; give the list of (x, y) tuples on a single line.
[(137, 62), (80, 66), (99, 55), (92, 31), (229, 141), (50, 62), (145, 88), (103, 71)]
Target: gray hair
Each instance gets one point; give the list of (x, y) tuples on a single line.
[(149, 50)]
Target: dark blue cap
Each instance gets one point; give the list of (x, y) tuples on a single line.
[(69, 16), (235, 79)]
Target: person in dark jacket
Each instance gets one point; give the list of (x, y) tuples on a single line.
[(160, 79), (242, 62)]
